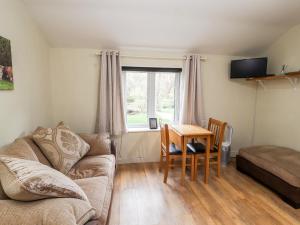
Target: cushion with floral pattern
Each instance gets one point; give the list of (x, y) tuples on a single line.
[(61, 146)]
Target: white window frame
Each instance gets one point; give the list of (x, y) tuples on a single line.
[(151, 98)]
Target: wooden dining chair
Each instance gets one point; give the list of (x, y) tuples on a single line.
[(171, 153), (217, 128)]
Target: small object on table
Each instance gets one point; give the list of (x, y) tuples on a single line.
[(283, 69), (153, 123)]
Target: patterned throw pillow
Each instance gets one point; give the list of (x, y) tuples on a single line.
[(61, 146), (27, 180)]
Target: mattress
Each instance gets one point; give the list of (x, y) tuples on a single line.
[(279, 161)]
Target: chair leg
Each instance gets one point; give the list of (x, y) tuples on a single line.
[(166, 169), (193, 168), (196, 166), (172, 163), (219, 166), (160, 161)]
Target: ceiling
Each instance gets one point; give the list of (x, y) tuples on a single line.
[(237, 27)]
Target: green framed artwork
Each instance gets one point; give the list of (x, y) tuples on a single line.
[(6, 70)]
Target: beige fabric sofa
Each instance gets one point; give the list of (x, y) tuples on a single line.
[(94, 173)]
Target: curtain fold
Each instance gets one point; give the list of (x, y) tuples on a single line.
[(110, 110), (192, 110)]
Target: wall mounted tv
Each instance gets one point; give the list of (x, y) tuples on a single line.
[(246, 68)]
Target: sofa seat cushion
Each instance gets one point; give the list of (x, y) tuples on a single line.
[(27, 180), (93, 166), (98, 191), (280, 161), (60, 211)]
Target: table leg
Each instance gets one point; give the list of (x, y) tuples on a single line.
[(206, 173), (184, 149)]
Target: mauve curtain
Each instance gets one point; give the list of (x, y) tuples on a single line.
[(110, 110), (192, 111)]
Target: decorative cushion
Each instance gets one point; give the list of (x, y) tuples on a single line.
[(27, 180), (61, 146), (56, 211), (19, 149), (100, 143)]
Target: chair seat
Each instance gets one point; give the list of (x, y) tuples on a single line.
[(175, 151), (199, 148)]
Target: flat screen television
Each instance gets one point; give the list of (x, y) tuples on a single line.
[(246, 68)]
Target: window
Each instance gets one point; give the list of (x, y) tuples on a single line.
[(151, 92)]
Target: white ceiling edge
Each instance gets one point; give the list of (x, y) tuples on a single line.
[(232, 27)]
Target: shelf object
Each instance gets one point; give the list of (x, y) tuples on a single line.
[(291, 77)]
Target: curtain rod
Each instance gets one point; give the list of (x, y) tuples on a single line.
[(154, 57)]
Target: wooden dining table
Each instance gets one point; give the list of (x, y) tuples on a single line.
[(180, 135)]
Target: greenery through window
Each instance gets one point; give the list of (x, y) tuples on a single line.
[(151, 94)]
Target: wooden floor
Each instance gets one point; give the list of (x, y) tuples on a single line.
[(141, 198)]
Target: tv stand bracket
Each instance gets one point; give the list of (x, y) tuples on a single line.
[(293, 82), (262, 84)]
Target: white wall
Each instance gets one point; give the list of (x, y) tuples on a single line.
[(74, 82), (26, 107), (74, 78), (232, 101), (278, 108), (286, 50)]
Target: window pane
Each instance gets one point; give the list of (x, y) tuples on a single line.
[(165, 96), (136, 93)]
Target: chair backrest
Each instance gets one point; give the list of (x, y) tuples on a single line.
[(217, 127), (164, 137)]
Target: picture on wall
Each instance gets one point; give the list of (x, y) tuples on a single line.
[(6, 71)]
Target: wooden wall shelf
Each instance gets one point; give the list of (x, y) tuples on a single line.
[(291, 77)]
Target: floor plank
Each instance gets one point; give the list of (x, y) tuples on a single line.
[(141, 198)]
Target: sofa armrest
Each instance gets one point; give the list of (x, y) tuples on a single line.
[(100, 143)]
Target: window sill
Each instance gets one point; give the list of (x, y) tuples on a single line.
[(142, 129)]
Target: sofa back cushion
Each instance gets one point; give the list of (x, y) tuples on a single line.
[(19, 149), (100, 143), (27, 180), (61, 146), (35, 148)]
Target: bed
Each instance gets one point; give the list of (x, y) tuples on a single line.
[(276, 167)]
